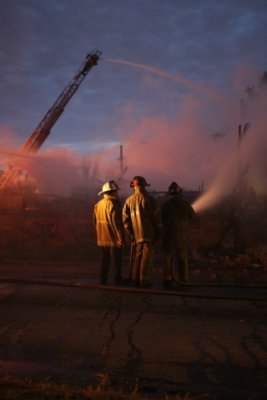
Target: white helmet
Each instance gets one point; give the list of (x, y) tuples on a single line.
[(109, 186)]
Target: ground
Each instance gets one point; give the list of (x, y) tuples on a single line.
[(57, 324)]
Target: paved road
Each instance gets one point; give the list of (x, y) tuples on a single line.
[(159, 343)]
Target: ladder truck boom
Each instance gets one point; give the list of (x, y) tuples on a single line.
[(41, 132)]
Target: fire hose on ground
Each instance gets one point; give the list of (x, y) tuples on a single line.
[(134, 290)]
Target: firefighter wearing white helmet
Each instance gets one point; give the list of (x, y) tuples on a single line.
[(141, 222), (175, 213), (109, 231)]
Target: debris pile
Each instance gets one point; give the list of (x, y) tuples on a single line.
[(247, 260)]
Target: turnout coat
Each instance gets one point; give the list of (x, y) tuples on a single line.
[(108, 222), (175, 213), (140, 217)]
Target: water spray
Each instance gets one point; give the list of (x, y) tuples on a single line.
[(179, 79)]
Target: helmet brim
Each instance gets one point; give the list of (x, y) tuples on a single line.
[(135, 184), (107, 191)]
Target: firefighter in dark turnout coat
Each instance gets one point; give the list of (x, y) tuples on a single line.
[(109, 231), (141, 223), (175, 213)]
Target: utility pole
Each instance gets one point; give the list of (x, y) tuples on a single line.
[(241, 187), (123, 169)]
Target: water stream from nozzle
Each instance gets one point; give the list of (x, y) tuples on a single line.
[(211, 93)]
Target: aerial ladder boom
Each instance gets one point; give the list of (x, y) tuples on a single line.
[(40, 134)]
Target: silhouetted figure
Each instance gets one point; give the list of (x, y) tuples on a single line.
[(175, 213)]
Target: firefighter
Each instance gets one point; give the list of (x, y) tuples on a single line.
[(141, 223), (175, 213), (109, 231)]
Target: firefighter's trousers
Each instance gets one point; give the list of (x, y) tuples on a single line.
[(113, 256), (176, 260), (143, 263)]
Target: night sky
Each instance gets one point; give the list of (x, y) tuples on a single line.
[(167, 67)]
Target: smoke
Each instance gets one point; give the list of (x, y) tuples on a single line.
[(52, 171), (185, 149), (8, 141), (255, 144), (202, 145), (199, 146), (60, 171), (248, 159)]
